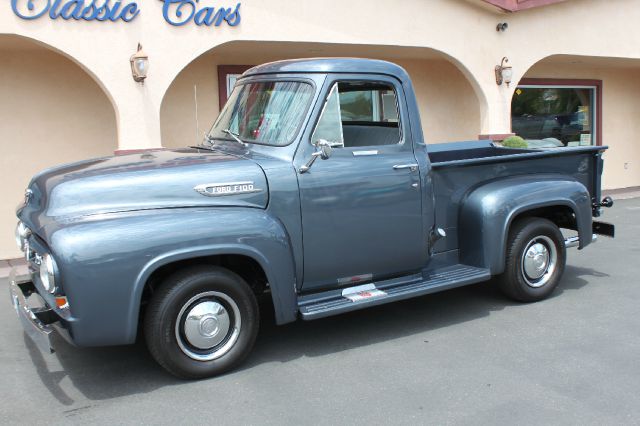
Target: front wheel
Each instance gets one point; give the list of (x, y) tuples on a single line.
[(201, 322), (535, 261)]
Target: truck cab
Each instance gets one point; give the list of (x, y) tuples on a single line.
[(314, 185)]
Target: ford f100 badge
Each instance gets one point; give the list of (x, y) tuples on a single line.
[(221, 189)]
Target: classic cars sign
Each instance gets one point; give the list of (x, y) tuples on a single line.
[(175, 12)]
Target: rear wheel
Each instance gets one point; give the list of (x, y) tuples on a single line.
[(201, 322), (535, 260)]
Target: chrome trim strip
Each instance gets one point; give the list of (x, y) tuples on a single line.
[(364, 153), (355, 279)]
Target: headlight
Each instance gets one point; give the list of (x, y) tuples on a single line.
[(22, 232), (47, 273)]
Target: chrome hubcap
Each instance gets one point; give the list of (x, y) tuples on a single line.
[(539, 261), (208, 326), (536, 260)]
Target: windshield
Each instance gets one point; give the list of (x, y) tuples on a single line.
[(264, 112)]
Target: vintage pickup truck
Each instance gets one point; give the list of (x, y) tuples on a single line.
[(314, 185)]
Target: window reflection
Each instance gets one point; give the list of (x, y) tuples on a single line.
[(554, 116)]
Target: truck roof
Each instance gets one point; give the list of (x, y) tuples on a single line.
[(331, 65)]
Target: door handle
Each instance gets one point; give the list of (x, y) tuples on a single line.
[(412, 167)]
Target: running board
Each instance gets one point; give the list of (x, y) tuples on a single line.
[(335, 302)]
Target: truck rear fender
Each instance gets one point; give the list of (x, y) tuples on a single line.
[(488, 211)]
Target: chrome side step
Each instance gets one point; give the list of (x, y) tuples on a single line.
[(333, 302), (575, 241)]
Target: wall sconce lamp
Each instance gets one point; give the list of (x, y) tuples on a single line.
[(504, 72), (139, 65)]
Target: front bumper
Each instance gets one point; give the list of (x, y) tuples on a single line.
[(36, 321)]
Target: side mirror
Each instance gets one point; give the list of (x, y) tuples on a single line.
[(325, 149)]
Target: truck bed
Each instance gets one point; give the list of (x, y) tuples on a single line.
[(459, 167), (458, 151)]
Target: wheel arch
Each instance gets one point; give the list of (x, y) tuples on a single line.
[(489, 212), (283, 298)]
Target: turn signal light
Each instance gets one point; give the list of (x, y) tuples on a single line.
[(62, 302)]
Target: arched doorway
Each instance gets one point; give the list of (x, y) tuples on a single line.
[(51, 112), (449, 104)]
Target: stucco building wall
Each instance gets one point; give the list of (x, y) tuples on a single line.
[(51, 111)]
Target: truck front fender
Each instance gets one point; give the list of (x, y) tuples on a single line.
[(488, 211), (106, 261)]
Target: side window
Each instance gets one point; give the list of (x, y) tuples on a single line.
[(329, 126), (359, 114), (369, 114)]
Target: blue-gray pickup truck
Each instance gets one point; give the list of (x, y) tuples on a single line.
[(314, 187)]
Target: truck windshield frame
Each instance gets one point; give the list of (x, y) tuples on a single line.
[(265, 112)]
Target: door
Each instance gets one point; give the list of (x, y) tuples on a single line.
[(361, 207)]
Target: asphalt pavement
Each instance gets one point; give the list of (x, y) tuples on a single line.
[(465, 356)]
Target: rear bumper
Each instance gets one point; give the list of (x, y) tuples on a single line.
[(36, 322)]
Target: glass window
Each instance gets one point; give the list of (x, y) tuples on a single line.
[(359, 114), (231, 80), (554, 115), (329, 127), (266, 112), (368, 101)]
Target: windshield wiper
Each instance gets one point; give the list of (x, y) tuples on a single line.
[(235, 136)]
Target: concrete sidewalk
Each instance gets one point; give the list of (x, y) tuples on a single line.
[(19, 264), (623, 193)]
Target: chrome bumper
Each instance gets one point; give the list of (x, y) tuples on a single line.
[(37, 331)]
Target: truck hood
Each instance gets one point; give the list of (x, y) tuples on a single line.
[(151, 180)]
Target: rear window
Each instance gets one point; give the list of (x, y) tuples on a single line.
[(368, 102)]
